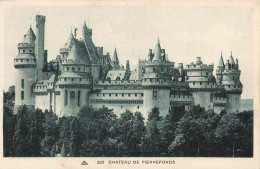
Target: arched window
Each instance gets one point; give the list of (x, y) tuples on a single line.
[(66, 98), (79, 98)]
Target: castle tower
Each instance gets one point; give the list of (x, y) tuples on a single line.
[(86, 32), (25, 65), (156, 82), (202, 83), (232, 85), (220, 69), (115, 61), (39, 46)]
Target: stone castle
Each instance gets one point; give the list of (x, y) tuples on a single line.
[(82, 74)]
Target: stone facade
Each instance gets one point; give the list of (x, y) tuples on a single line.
[(83, 75)]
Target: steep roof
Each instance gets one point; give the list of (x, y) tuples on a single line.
[(221, 62), (115, 57), (29, 37), (70, 41), (231, 60), (78, 52), (157, 51)]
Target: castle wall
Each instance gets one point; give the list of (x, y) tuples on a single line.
[(203, 99), (233, 103), (162, 101), (74, 101), (42, 101), (28, 76)]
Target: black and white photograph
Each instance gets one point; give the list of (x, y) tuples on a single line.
[(152, 80)]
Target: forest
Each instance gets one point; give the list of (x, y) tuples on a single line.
[(100, 133)]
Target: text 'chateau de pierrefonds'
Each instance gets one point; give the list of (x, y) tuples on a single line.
[(82, 74)]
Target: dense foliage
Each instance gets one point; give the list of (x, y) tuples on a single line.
[(100, 133)]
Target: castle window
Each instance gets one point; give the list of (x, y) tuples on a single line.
[(135, 95), (97, 94), (122, 95), (121, 106), (79, 68), (183, 96), (179, 96), (125, 87), (30, 51), (137, 107), (173, 96), (80, 79), (109, 95), (234, 86), (68, 69), (211, 97), (105, 87), (23, 51), (103, 95), (116, 95), (84, 69), (22, 95), (72, 95), (79, 98), (200, 83), (66, 98), (21, 60), (27, 60), (193, 83), (151, 80), (22, 83), (142, 94), (228, 86), (129, 95), (65, 79), (72, 79), (73, 68), (157, 80), (154, 94), (206, 73)]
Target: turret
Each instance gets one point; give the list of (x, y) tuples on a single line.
[(86, 32), (157, 52), (39, 45), (115, 61), (180, 68), (232, 85), (25, 65), (220, 69)]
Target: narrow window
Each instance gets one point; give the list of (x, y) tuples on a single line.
[(79, 98), (22, 83), (135, 95), (116, 95), (27, 60), (129, 95), (22, 95), (137, 107), (66, 98), (23, 51), (68, 68), (211, 97), (193, 83), (72, 95), (200, 83), (73, 68), (154, 94), (122, 95)]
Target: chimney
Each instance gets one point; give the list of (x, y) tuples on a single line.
[(198, 62)]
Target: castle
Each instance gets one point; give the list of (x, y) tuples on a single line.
[(83, 75)]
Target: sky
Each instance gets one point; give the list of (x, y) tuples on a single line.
[(185, 32)]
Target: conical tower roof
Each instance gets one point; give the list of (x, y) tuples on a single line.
[(115, 58), (221, 61), (231, 60), (157, 51), (70, 41), (29, 37), (78, 52)]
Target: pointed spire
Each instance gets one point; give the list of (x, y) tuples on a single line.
[(157, 51), (115, 57), (232, 62), (70, 41), (221, 61), (29, 37)]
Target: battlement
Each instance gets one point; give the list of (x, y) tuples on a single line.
[(159, 63), (64, 50), (71, 61), (119, 82), (40, 19), (199, 67), (25, 45)]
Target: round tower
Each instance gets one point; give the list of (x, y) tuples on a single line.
[(232, 85), (156, 82), (25, 65), (202, 83), (75, 82)]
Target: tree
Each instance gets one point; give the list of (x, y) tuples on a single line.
[(75, 143), (20, 135), (229, 132)]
